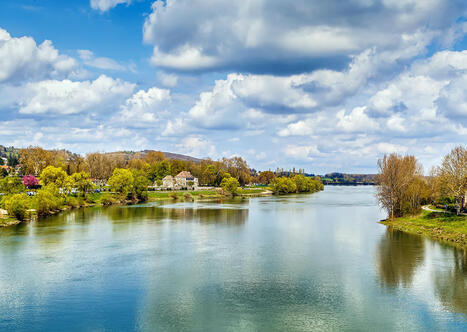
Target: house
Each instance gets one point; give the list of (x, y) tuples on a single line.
[(183, 180), (168, 182)]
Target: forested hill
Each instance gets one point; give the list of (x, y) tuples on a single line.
[(348, 179), (5, 152)]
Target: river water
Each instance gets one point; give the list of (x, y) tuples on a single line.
[(291, 263)]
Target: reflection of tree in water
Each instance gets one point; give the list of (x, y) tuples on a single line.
[(232, 216), (451, 285), (399, 255)]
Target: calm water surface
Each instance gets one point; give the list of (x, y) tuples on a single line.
[(294, 263)]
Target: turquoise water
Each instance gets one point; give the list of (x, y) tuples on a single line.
[(292, 263)]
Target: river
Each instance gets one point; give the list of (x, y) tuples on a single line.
[(290, 263)]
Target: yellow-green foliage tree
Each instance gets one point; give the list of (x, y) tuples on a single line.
[(53, 176), (121, 181), (81, 181), (17, 205), (283, 185), (230, 185), (11, 185)]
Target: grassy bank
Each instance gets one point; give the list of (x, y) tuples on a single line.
[(445, 227)]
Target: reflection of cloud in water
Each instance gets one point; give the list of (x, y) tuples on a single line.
[(229, 213)]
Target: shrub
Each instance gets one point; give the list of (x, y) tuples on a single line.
[(188, 196), (173, 195), (108, 200), (46, 202), (16, 205), (73, 202)]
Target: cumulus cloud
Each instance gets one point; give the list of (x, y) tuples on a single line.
[(277, 36), (197, 146), (105, 5), (21, 59), (144, 108), (71, 97)]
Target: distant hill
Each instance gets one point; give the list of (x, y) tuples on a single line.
[(348, 179), (6, 151)]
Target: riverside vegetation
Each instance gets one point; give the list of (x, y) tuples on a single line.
[(46, 182), (403, 190)]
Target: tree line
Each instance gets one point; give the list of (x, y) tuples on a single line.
[(403, 188)]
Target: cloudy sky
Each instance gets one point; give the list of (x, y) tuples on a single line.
[(322, 85)]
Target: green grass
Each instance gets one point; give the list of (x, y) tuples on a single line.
[(243, 191), (8, 221), (441, 226), (158, 195)]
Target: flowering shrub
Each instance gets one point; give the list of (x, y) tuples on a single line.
[(30, 181)]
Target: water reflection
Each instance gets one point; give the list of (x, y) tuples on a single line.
[(451, 281), (398, 256)]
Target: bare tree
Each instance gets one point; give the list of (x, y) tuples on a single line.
[(399, 184), (453, 175)]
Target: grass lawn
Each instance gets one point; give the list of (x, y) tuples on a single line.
[(242, 191), (441, 226), (157, 195)]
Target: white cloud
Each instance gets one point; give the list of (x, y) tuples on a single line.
[(100, 62), (105, 5), (144, 107), (356, 121), (21, 59), (168, 80), (301, 152), (275, 36), (70, 97), (197, 146)]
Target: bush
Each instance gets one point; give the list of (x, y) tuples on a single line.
[(188, 196), (16, 205), (108, 200), (173, 195), (73, 202), (46, 202)]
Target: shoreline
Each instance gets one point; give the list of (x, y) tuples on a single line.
[(153, 196), (440, 226)]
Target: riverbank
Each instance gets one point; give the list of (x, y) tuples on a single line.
[(106, 199), (441, 226)]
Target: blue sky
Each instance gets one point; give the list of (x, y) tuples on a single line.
[(325, 86)]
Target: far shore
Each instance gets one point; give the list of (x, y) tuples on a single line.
[(153, 196)]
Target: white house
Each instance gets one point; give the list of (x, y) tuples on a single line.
[(183, 180)]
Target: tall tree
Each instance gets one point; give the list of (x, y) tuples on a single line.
[(453, 175), (397, 184)]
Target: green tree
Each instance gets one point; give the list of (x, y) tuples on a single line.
[(46, 200), (283, 185), (12, 185), (17, 205), (121, 181), (140, 185), (230, 185), (81, 181), (53, 176)]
